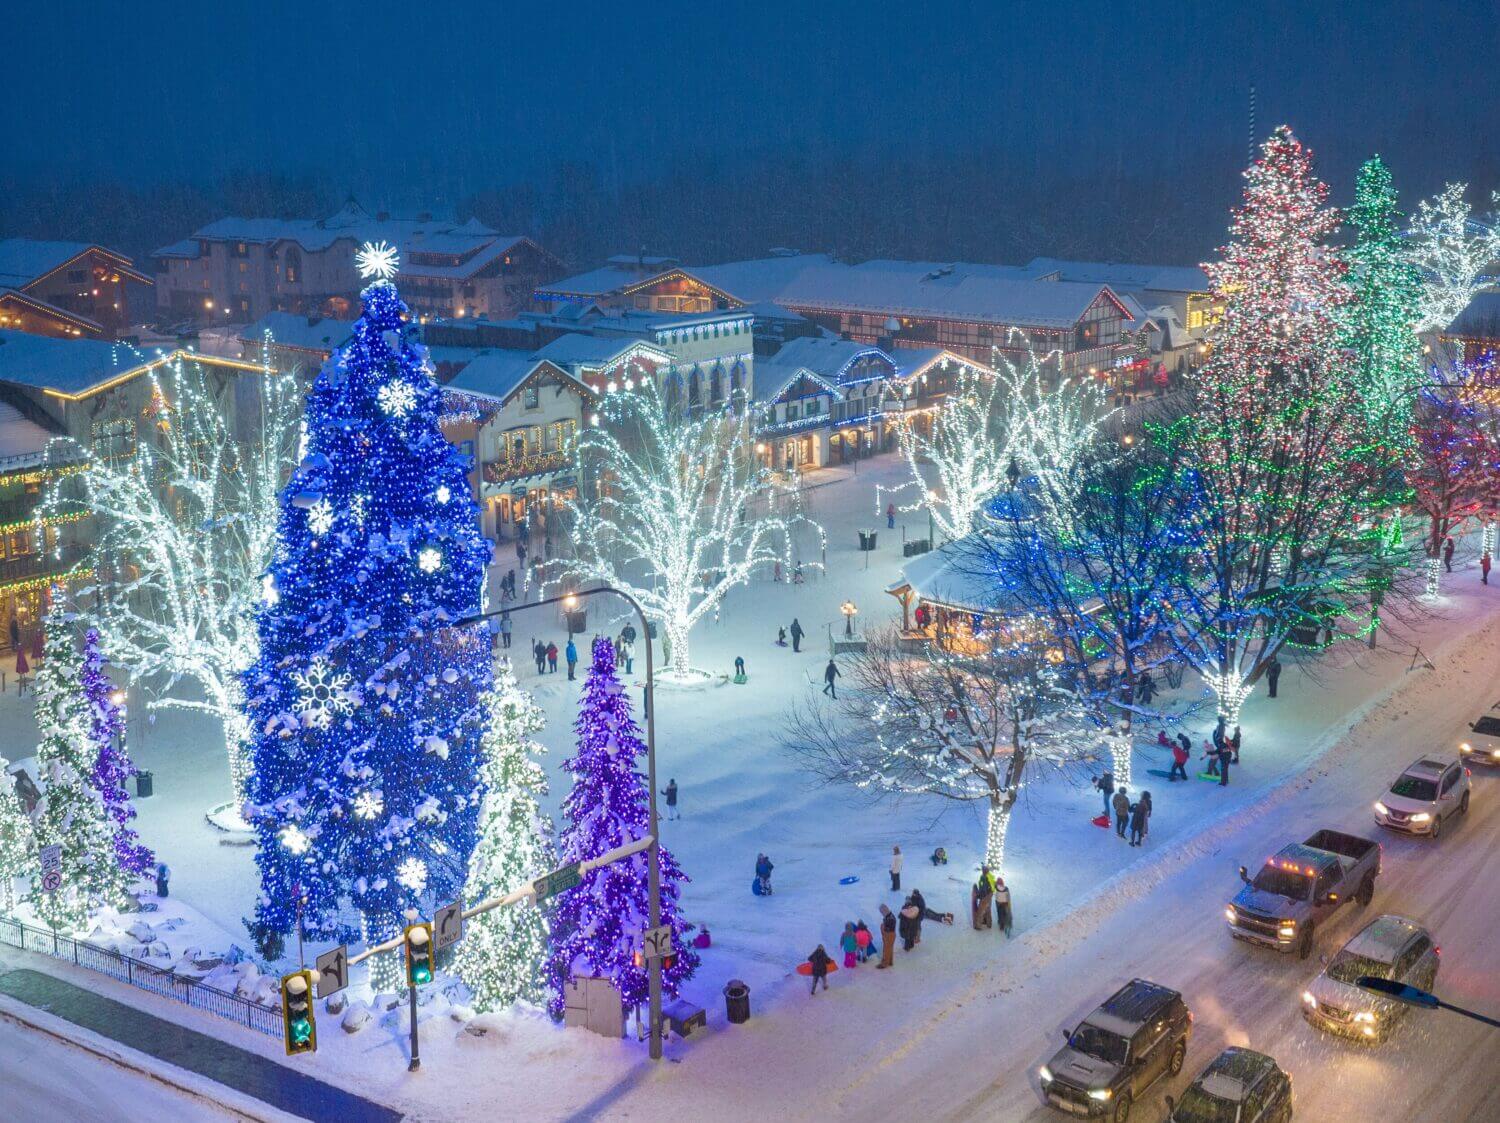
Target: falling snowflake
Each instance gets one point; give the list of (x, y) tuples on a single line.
[(368, 804), (357, 509), (412, 873), (324, 694), (377, 259), (320, 517), (268, 594), (293, 839), (443, 494), (397, 398), (430, 559)]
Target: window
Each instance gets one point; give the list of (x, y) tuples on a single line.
[(244, 267), (1449, 780), (531, 397), (293, 265), (241, 250), (1412, 956), (114, 441)]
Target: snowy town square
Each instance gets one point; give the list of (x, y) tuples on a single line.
[(760, 562)]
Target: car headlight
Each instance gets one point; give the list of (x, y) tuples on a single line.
[(1381, 809), (1100, 1094), (1229, 914), (1045, 1073), (1310, 999), (1365, 1016), (1287, 930), (1466, 748), (1421, 817), (1495, 752)]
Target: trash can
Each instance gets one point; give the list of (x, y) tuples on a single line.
[(737, 1001), (142, 784)]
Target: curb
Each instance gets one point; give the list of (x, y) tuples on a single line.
[(123, 1056)]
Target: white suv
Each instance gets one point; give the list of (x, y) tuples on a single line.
[(1389, 947), (1483, 743), (1429, 791)]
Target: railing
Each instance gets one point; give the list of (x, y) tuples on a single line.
[(147, 976), (499, 471)]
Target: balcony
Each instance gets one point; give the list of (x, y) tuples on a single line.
[(536, 464), (14, 571)]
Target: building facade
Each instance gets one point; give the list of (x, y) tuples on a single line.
[(67, 290)]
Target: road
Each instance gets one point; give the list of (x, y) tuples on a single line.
[(60, 1084), (1437, 1066)]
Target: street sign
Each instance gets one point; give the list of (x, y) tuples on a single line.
[(656, 943), (448, 925), (558, 881), (51, 867), (333, 971)]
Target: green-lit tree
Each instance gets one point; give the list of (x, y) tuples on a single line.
[(501, 954)]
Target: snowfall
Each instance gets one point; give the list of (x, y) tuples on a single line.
[(958, 1027)]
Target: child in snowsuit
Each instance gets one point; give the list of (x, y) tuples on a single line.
[(866, 941), (940, 857), (819, 962), (763, 870), (850, 943), (1180, 757), (1139, 812), (887, 938), (552, 658), (1002, 906)]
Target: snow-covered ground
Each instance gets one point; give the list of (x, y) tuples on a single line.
[(740, 794)]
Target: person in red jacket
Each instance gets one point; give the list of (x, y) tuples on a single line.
[(1180, 755)]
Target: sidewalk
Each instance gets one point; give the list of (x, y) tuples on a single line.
[(275, 1084)]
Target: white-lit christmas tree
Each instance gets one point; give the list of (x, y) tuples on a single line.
[(17, 841), (72, 814), (501, 954)]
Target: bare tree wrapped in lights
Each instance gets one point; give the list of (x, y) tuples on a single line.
[(1453, 252), (963, 726), (187, 527), (667, 515), (995, 427)]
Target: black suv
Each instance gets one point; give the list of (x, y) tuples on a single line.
[(1139, 1034), (1241, 1086)]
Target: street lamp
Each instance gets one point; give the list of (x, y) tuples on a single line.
[(653, 853), (1412, 996), (849, 610)]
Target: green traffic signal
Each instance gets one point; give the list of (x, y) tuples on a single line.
[(418, 939), (301, 1031)]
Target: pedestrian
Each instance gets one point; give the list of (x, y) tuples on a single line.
[(1106, 785), (629, 653), (896, 863), (1234, 744), (1484, 569), (887, 938), (572, 655), (539, 653), (850, 943), (627, 633), (866, 941), (1225, 755), (890, 516), (796, 634), (1220, 736), (940, 857), (163, 876), (929, 913), (763, 868), (15, 634), (1273, 675), (552, 658), (521, 553), (1003, 915), (980, 896), (1181, 754), (1186, 742), (1122, 811), (1448, 554), (910, 925), (1162, 740), (1145, 688), (797, 573), (505, 627), (1211, 755), (830, 673), (739, 668), (1139, 811), (819, 962), (780, 637), (670, 791)]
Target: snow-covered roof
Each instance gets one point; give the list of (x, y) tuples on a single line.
[(70, 365), (1480, 320), (309, 333), (414, 267), (642, 262), (947, 576), (596, 282), (46, 307), (23, 260), (939, 270), (23, 442), (761, 278), (912, 361), (494, 372), (828, 356), (1155, 278), (971, 298), (575, 348)]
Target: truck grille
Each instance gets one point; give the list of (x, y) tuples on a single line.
[(1068, 1093), (1333, 1013), (1261, 925)]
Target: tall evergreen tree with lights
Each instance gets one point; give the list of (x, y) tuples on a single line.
[(18, 857), (112, 766), (502, 952), (1289, 468), (366, 706), (72, 815), (596, 926), (1380, 322)]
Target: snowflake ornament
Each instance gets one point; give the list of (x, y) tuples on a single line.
[(293, 839), (412, 873), (367, 805), (397, 398), (430, 559), (320, 517), (325, 694), (443, 494), (378, 260)]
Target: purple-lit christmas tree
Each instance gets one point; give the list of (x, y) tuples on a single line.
[(596, 927), (112, 767)]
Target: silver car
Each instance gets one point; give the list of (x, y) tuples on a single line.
[(1482, 746), (1422, 798), (1389, 947)]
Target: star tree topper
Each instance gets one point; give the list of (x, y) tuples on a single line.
[(377, 260)]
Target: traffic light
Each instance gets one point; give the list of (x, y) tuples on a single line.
[(418, 938), (300, 1030)]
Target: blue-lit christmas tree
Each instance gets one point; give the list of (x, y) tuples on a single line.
[(365, 706), (596, 926)]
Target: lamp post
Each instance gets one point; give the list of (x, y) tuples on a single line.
[(653, 855), (849, 610)]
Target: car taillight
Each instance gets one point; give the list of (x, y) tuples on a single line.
[(1436, 950), (1469, 772)]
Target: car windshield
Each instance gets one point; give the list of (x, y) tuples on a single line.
[(1197, 1106), (1415, 787), (1348, 966), (1487, 727), (1099, 1043), (1284, 883)]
